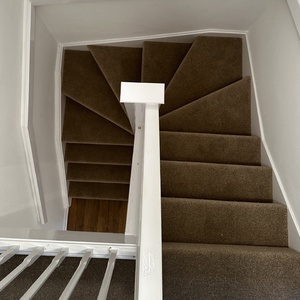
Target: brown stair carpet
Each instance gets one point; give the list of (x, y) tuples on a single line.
[(122, 284), (197, 147), (218, 222), (81, 125), (225, 111), (161, 60), (211, 64), (99, 154), (98, 173), (118, 64), (223, 238), (96, 190), (204, 271), (84, 82), (216, 181)]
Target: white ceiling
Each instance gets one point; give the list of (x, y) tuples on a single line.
[(79, 22)]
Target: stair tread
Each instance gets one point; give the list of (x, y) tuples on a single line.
[(98, 173), (210, 64), (81, 125), (161, 60), (84, 82), (202, 271), (102, 154), (118, 64), (216, 181), (226, 111), (212, 148), (224, 222), (96, 190)]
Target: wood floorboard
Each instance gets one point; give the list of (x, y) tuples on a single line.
[(97, 215)]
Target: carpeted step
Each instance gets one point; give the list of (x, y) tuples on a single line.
[(96, 190), (212, 148), (98, 173), (211, 63), (99, 154), (84, 82), (161, 60), (122, 283), (81, 125), (224, 222), (216, 181), (226, 111), (202, 271), (118, 64)]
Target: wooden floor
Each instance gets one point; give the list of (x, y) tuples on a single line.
[(97, 215)]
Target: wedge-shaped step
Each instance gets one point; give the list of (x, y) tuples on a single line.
[(212, 148), (104, 191), (81, 125), (99, 154), (199, 271), (224, 222), (161, 60), (122, 283), (98, 173), (216, 181), (84, 82), (227, 111), (118, 64), (211, 63)]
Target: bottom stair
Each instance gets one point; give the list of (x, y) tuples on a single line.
[(203, 271)]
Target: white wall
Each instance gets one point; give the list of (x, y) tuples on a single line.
[(16, 200), (135, 18), (43, 121), (15, 191), (275, 51)]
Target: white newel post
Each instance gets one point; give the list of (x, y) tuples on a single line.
[(149, 257)]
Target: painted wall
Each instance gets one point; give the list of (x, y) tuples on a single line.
[(124, 19), (16, 201), (275, 51), (43, 121), (15, 191)]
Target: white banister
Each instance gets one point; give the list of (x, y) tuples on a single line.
[(57, 260), (149, 259), (28, 261), (108, 275), (76, 276), (10, 252)]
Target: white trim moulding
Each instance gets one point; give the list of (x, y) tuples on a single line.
[(28, 16)]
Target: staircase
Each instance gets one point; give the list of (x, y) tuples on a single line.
[(223, 237)]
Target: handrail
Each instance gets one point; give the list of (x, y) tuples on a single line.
[(148, 283), (294, 6)]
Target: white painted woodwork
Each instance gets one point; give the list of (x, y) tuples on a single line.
[(141, 92), (134, 197), (10, 252), (108, 275), (57, 260), (28, 261), (149, 266), (76, 276), (294, 6)]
